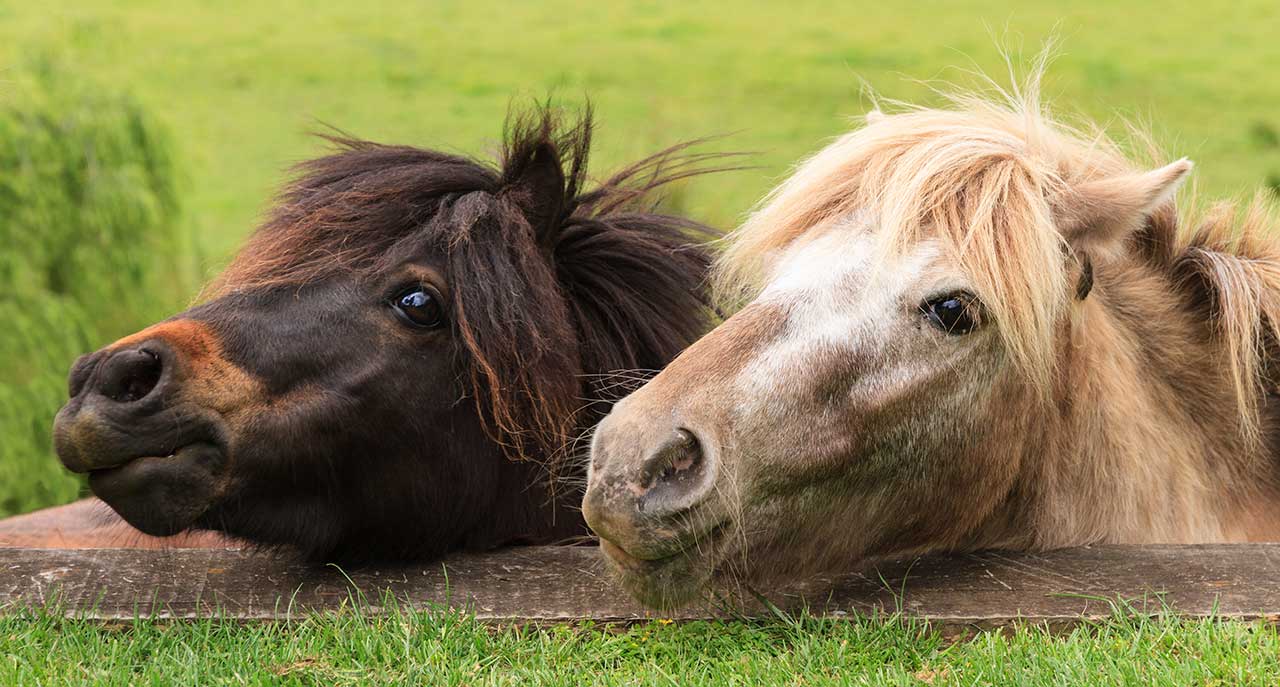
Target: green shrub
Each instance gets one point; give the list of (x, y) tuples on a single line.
[(1264, 135), (88, 210)]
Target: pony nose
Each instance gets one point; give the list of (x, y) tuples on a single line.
[(645, 501), (130, 374)]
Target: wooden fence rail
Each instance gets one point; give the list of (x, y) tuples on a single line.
[(543, 584)]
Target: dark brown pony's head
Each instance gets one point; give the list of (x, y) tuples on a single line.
[(395, 362)]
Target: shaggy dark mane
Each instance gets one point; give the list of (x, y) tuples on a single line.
[(533, 261)]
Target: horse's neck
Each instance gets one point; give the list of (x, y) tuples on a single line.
[(1148, 446), (533, 509)]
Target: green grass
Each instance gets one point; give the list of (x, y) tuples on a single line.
[(237, 86), (449, 648)]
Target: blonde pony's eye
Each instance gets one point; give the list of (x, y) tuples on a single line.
[(954, 313)]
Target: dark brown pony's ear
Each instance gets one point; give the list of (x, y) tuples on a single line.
[(1097, 216), (537, 186)]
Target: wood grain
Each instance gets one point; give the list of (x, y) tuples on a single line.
[(91, 524), (543, 584)]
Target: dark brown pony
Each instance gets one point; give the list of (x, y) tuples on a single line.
[(396, 362)]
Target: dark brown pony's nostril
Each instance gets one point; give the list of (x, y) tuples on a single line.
[(129, 375)]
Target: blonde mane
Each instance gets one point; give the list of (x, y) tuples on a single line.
[(988, 176)]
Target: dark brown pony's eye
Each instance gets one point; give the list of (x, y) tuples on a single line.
[(953, 313), (419, 306)]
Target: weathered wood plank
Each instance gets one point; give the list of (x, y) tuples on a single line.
[(564, 583), (91, 524)]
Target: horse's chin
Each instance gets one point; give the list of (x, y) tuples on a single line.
[(666, 583), (164, 495)]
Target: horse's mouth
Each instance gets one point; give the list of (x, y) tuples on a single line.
[(163, 495), (671, 581)]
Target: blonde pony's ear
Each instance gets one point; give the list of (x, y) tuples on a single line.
[(1096, 216)]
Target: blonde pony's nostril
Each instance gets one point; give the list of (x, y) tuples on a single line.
[(678, 454)]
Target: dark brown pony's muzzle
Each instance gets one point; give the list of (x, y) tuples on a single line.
[(152, 451)]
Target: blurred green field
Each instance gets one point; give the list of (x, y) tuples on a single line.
[(221, 97), (239, 86)]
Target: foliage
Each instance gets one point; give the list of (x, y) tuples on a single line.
[(88, 200)]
